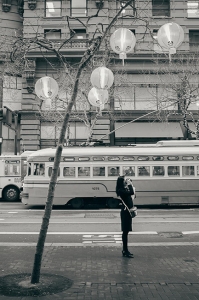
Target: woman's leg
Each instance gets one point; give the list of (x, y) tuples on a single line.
[(125, 240)]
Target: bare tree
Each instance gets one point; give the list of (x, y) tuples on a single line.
[(176, 90), (98, 39)]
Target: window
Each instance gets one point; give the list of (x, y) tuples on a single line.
[(12, 167), (52, 34), (68, 159), (193, 40), (83, 171), (69, 172), (128, 171), (113, 171), (193, 9), (174, 171), (161, 8), (79, 34), (188, 171), (113, 158), (98, 158), (172, 157), (53, 8), (187, 158), (84, 158), (143, 171), (158, 171), (98, 171), (79, 8), (128, 158), (143, 158), (158, 157), (50, 171), (39, 169)]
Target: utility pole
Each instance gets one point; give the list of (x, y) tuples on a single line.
[(1, 106), (15, 139)]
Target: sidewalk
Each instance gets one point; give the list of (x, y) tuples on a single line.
[(100, 271)]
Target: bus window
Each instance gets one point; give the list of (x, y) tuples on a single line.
[(29, 170), (12, 167), (113, 171), (143, 171), (83, 171), (129, 171), (98, 158), (98, 171), (158, 157), (113, 158), (128, 158), (143, 158), (50, 171), (39, 169), (198, 170), (187, 170), (69, 172), (158, 171), (174, 171)]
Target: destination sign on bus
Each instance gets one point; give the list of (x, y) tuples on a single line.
[(12, 161)]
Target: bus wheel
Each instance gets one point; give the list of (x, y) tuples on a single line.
[(77, 203), (112, 203), (11, 193)]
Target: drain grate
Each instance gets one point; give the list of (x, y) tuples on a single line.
[(171, 234), (100, 215), (189, 260)]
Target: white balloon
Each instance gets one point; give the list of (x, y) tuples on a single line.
[(98, 97), (102, 78), (46, 87)]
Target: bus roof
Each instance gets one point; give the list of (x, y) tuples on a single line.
[(110, 151)]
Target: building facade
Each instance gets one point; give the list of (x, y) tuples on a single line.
[(131, 115)]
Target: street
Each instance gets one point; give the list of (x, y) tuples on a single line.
[(21, 224), (85, 247)]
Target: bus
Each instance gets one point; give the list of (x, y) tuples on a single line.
[(12, 171), (163, 174)]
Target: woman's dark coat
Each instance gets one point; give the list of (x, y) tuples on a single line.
[(126, 220)]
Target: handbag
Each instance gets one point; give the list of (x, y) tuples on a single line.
[(133, 211)]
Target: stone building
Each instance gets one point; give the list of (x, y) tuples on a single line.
[(136, 99)]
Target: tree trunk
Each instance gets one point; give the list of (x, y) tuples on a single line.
[(49, 203)]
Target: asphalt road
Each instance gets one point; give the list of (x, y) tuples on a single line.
[(21, 224)]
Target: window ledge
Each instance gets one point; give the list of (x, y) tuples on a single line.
[(161, 17), (52, 18)]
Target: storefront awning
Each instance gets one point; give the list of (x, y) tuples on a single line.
[(148, 130)]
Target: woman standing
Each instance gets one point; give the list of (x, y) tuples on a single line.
[(125, 190)]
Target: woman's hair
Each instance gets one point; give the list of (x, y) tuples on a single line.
[(119, 184)]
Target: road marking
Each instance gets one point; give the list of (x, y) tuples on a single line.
[(90, 234), (12, 212), (101, 238), (72, 233), (160, 244), (190, 232), (95, 222)]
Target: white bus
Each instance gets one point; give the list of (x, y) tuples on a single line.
[(12, 171), (163, 174)]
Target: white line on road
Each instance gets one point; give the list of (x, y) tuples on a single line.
[(160, 244), (87, 233), (96, 222), (70, 233)]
